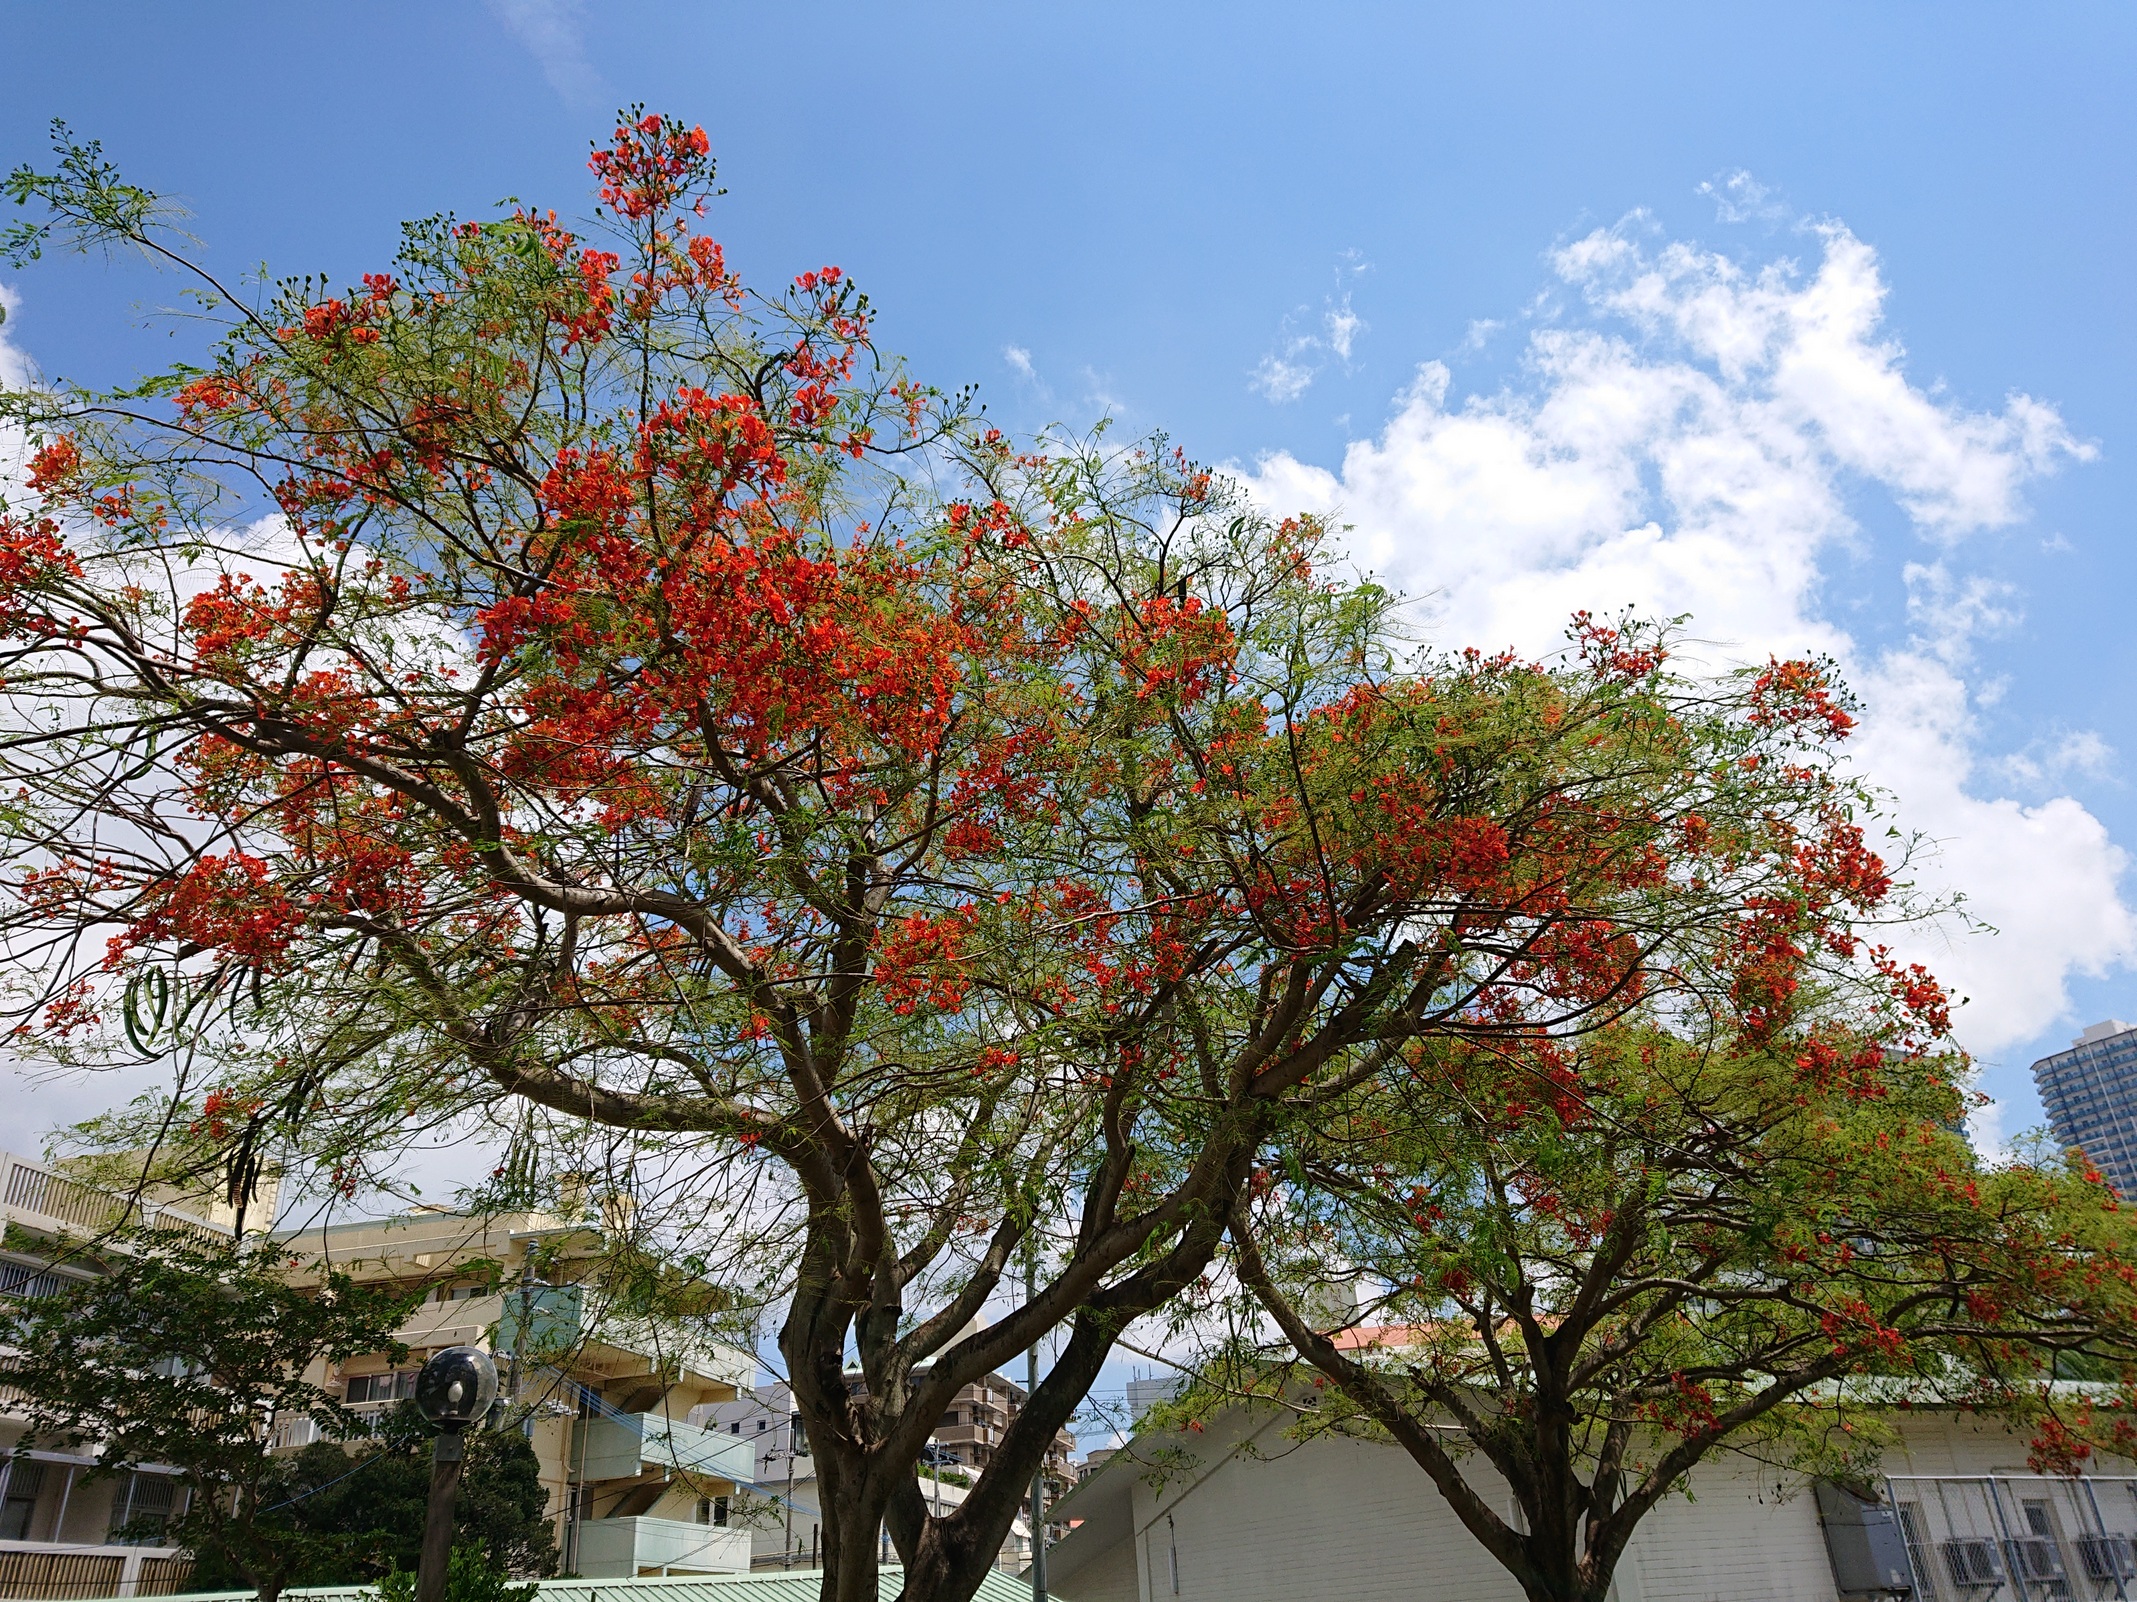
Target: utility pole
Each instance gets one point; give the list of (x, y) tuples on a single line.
[(786, 1551), (1038, 1478), (519, 1340)]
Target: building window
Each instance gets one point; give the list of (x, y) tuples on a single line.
[(26, 1479), (712, 1510), (143, 1508), (382, 1387), (949, 1419)]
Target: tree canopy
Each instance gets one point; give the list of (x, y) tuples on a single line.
[(1592, 1264), (550, 682), (360, 1505)]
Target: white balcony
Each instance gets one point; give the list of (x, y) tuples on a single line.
[(49, 1203), (618, 1549), (563, 1324), (623, 1448)]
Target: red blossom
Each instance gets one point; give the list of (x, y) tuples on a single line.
[(226, 903), (54, 467)]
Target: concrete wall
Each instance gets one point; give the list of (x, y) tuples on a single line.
[(1258, 1517)]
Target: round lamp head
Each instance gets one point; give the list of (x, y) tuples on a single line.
[(456, 1387)]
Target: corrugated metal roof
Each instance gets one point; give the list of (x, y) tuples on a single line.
[(780, 1585)]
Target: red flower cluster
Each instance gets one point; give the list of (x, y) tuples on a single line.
[(1798, 694), (54, 467), (224, 903), (652, 162)]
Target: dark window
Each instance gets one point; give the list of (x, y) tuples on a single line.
[(143, 1508), (25, 1480), (382, 1387)]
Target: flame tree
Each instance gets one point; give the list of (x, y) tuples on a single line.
[(1596, 1263), (554, 683)]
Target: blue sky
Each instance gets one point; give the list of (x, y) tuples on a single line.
[(1254, 225)]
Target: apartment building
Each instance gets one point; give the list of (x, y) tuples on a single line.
[(2090, 1093), (973, 1425), (785, 1517), (606, 1399), (58, 1527)]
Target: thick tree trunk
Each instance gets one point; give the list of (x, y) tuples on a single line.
[(950, 1563), (1559, 1564), (853, 1507), (867, 1485), (950, 1556)]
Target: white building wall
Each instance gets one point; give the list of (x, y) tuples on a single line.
[(1328, 1519), (1743, 1534), (1111, 1576)]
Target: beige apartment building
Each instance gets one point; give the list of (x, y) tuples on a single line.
[(605, 1399), (973, 1424), (634, 1488)]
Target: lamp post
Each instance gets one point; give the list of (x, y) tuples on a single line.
[(1038, 1479), (453, 1391)]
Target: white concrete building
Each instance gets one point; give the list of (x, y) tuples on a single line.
[(1259, 1517), (783, 1509)]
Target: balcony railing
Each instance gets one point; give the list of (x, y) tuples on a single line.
[(614, 1549), (36, 1570), (623, 1447), (291, 1433), (24, 1282), (67, 1206)]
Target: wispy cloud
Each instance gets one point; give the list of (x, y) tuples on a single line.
[(1288, 371), (1344, 326), (550, 31), (1310, 337), (1950, 613), (1740, 198), (1283, 378), (2058, 757)]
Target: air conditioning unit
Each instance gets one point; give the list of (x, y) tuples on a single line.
[(2034, 1558), (1972, 1563), (1864, 1541), (2106, 1558)]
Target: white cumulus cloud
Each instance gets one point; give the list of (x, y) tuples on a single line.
[(1691, 438)]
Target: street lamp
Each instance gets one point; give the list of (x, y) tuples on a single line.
[(453, 1391)]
